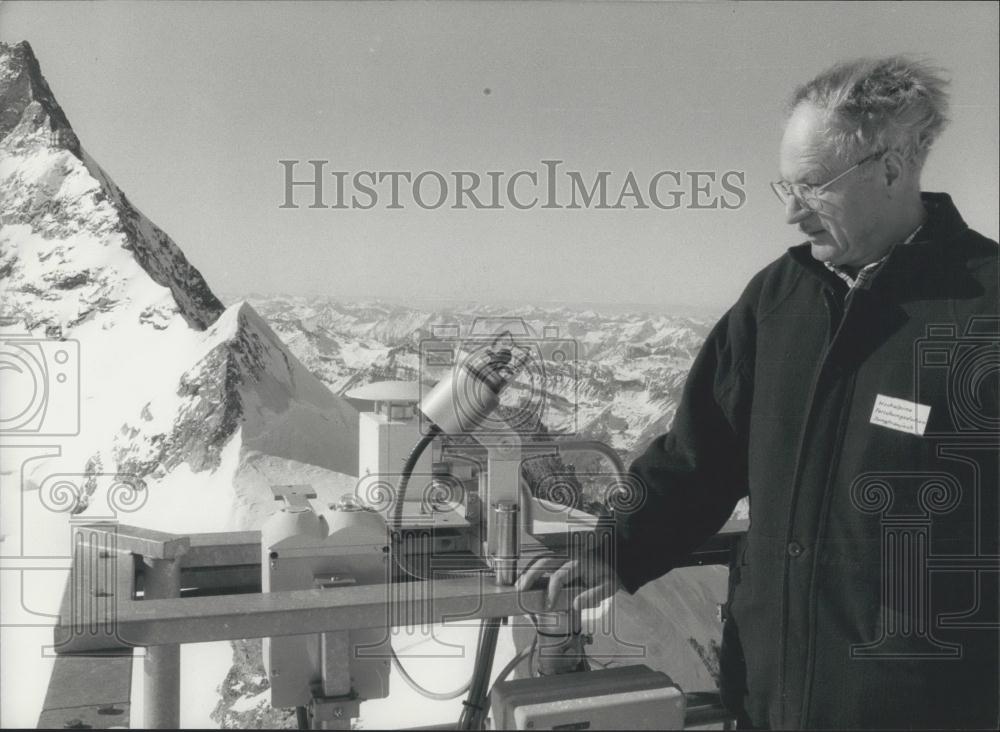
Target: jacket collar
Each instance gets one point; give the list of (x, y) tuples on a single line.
[(943, 223)]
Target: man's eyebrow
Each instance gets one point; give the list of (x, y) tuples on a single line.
[(812, 170), (810, 176)]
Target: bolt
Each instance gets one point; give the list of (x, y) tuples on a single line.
[(338, 712)]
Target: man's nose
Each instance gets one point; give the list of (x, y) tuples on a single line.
[(795, 212)]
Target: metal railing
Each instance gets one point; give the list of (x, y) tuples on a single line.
[(131, 587)]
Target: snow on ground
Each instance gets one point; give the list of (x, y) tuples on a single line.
[(203, 667), (29, 592), (440, 661), (186, 502)]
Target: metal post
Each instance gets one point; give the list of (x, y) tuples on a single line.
[(162, 667)]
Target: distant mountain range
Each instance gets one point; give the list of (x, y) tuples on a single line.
[(626, 380)]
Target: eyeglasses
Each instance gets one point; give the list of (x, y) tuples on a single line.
[(808, 196)]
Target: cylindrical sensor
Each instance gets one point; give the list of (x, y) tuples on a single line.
[(464, 399), (505, 526)]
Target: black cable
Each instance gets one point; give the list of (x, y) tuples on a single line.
[(404, 478), (396, 521), (472, 707)]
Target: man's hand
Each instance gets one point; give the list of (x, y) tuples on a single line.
[(593, 573)]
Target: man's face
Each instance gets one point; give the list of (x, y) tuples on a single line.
[(841, 230)]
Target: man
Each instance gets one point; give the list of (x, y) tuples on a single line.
[(865, 594)]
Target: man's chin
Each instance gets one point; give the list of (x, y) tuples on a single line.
[(823, 252)]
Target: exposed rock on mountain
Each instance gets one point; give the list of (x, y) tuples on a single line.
[(242, 379)]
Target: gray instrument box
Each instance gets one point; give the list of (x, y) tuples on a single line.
[(625, 697)]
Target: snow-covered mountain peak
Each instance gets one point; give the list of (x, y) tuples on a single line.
[(240, 385), (72, 245), (23, 88)]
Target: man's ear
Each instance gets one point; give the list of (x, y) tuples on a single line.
[(893, 168)]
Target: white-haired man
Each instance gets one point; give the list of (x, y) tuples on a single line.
[(851, 393)]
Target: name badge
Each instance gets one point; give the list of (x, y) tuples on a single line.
[(899, 414)]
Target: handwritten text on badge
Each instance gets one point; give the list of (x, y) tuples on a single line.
[(899, 414)]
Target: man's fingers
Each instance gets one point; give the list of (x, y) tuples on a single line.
[(594, 596), (532, 574), (597, 576), (562, 576)]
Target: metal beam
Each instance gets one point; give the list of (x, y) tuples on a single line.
[(222, 549), (255, 615), (144, 542), (298, 612)]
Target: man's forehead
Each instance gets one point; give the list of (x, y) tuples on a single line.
[(804, 151)]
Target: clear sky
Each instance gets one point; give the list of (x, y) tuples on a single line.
[(190, 106)]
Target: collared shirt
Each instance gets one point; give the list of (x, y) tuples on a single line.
[(864, 277)]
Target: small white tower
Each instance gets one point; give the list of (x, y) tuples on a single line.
[(387, 435)]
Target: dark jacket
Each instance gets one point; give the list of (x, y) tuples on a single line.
[(866, 593)]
